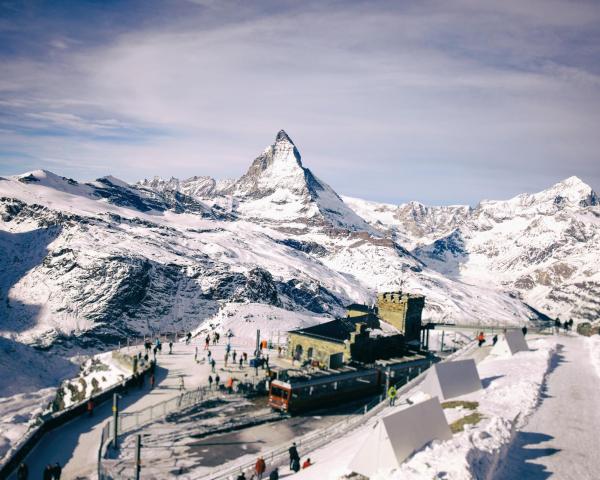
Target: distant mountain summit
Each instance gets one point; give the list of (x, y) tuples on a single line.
[(277, 190)]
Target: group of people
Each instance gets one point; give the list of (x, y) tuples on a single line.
[(260, 467), (567, 325)]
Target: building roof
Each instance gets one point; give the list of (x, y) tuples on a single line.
[(359, 307), (335, 331)]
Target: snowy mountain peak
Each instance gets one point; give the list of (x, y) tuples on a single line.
[(283, 137), (574, 190)]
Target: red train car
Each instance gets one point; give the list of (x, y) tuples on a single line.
[(304, 392)]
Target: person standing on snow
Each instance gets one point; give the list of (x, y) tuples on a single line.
[(260, 468), (274, 474), (392, 392), (495, 340), (294, 457), (481, 339), (170, 347)]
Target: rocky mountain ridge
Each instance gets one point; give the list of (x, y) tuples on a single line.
[(543, 245)]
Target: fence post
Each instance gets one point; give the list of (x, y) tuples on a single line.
[(115, 409), (138, 456)]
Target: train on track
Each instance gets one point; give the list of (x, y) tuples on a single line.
[(304, 391)]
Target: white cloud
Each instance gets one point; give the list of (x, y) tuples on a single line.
[(476, 86)]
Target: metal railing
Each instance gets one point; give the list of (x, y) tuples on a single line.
[(131, 421)]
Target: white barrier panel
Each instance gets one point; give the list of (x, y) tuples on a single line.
[(513, 342), (394, 438), (452, 379)]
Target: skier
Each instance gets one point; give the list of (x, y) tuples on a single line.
[(217, 381), (181, 383), (229, 385), (566, 326), (481, 339), (557, 326), (196, 355), (245, 357), (306, 463), (294, 457), (392, 392), (274, 474), (22, 472), (90, 407), (241, 476), (260, 468), (188, 338), (524, 330), (494, 340), (170, 347), (234, 355), (241, 361), (206, 341), (210, 380), (212, 365), (571, 324)]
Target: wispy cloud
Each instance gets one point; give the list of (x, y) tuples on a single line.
[(454, 97)]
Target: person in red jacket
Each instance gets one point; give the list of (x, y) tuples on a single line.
[(306, 463), (260, 468)]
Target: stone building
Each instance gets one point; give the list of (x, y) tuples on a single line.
[(340, 341), (403, 311), (363, 313)]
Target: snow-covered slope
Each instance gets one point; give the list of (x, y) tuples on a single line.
[(544, 245)]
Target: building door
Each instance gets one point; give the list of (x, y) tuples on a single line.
[(309, 353), (298, 352)]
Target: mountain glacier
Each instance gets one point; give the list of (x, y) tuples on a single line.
[(85, 264)]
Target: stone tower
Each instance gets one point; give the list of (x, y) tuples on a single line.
[(403, 311)]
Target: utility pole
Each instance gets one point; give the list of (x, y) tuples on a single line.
[(138, 457), (115, 409)]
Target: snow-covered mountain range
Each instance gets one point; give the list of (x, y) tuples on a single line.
[(545, 246), (89, 263)]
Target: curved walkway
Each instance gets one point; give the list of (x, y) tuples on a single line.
[(560, 439), (75, 444)]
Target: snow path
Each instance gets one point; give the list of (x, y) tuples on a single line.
[(560, 439), (75, 444)]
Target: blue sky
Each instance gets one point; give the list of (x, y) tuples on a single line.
[(438, 101)]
